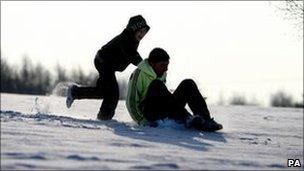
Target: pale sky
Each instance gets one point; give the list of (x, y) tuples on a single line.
[(225, 46)]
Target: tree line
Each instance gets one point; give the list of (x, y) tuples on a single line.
[(277, 99), (35, 79)]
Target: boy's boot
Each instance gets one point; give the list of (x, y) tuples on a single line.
[(203, 124), (70, 95), (196, 122), (211, 125), (105, 113)]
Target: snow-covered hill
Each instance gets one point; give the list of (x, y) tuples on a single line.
[(38, 132)]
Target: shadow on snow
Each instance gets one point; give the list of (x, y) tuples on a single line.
[(175, 135)]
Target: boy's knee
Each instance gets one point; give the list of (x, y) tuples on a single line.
[(189, 82)]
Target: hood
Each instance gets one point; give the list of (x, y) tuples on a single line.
[(137, 22)]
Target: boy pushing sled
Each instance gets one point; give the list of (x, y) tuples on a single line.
[(116, 55)]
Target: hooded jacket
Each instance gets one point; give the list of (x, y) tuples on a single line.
[(137, 88), (122, 49)]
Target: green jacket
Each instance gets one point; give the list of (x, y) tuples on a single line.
[(137, 89)]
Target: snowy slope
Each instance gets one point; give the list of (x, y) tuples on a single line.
[(38, 132)]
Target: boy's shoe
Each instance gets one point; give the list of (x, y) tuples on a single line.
[(105, 115), (70, 98), (196, 122), (211, 125)]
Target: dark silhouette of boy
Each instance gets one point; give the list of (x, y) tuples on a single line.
[(116, 55), (149, 100)]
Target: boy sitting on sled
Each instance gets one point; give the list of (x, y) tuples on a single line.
[(149, 100)]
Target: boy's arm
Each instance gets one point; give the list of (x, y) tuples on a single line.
[(136, 59), (129, 51)]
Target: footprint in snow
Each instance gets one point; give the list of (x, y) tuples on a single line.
[(81, 158), (255, 140)]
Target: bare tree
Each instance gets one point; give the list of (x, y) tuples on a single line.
[(293, 11), (61, 74), (237, 99), (281, 99)]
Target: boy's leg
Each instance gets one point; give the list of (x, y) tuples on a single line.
[(97, 91), (159, 103), (80, 92), (108, 87), (187, 92), (87, 93)]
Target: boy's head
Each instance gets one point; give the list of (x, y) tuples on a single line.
[(138, 25), (159, 60)]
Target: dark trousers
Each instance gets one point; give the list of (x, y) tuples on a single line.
[(160, 103), (106, 88)]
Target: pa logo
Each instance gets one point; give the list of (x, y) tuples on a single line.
[(293, 163)]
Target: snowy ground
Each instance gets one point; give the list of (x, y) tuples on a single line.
[(38, 132)]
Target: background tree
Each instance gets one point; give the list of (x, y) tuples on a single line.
[(79, 77), (292, 11), (123, 88), (25, 82), (8, 77), (237, 99), (281, 99), (61, 74), (41, 80)]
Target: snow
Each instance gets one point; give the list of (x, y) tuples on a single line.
[(39, 132)]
